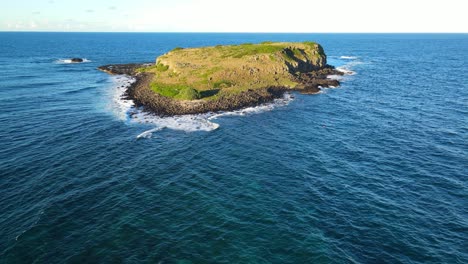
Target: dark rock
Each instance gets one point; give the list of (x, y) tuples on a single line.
[(127, 69), (310, 90), (142, 95), (311, 81), (76, 60)]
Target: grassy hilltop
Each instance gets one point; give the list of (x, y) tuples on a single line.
[(210, 72)]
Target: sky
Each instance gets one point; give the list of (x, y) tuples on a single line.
[(234, 15)]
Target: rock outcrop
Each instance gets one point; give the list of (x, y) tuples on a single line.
[(222, 78)]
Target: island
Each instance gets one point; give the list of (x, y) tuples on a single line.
[(226, 77)]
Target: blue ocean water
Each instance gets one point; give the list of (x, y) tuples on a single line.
[(372, 172)]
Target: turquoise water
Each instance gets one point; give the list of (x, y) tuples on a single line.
[(372, 172)]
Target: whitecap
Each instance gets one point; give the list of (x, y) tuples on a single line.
[(187, 123), (200, 122), (348, 57), (69, 61), (335, 77), (285, 100), (122, 108), (346, 70), (149, 133), (125, 110)]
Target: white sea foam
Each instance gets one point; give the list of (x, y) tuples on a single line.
[(285, 100), (348, 57), (187, 123), (149, 133), (120, 106), (335, 77), (69, 61), (347, 68), (125, 110), (200, 122)]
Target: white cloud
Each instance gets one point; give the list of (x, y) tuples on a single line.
[(302, 16), (250, 16)]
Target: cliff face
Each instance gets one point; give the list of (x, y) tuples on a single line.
[(207, 72)]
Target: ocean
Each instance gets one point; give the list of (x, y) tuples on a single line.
[(375, 171)]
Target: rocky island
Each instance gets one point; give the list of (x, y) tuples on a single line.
[(223, 78)]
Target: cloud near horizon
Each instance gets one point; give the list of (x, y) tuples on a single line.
[(235, 16)]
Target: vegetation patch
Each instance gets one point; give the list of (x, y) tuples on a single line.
[(161, 67), (315, 45), (248, 50), (209, 72), (222, 84), (176, 91), (157, 67)]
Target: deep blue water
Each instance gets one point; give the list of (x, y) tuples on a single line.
[(372, 172)]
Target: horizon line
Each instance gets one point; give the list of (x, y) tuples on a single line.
[(230, 32)]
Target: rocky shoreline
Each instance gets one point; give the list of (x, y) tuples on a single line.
[(142, 95)]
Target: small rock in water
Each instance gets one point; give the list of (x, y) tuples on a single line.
[(76, 60)]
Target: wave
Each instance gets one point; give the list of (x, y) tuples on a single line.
[(69, 61), (34, 224), (121, 107), (348, 57), (187, 123), (335, 77), (149, 133), (201, 122), (347, 68), (80, 90), (125, 110), (285, 100)]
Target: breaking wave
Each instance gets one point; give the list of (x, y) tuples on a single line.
[(347, 67), (285, 100), (348, 57), (125, 110), (198, 122), (122, 108), (69, 61)]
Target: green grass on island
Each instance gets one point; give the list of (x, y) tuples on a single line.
[(208, 72)]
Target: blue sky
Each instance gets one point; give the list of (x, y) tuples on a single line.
[(234, 15)]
